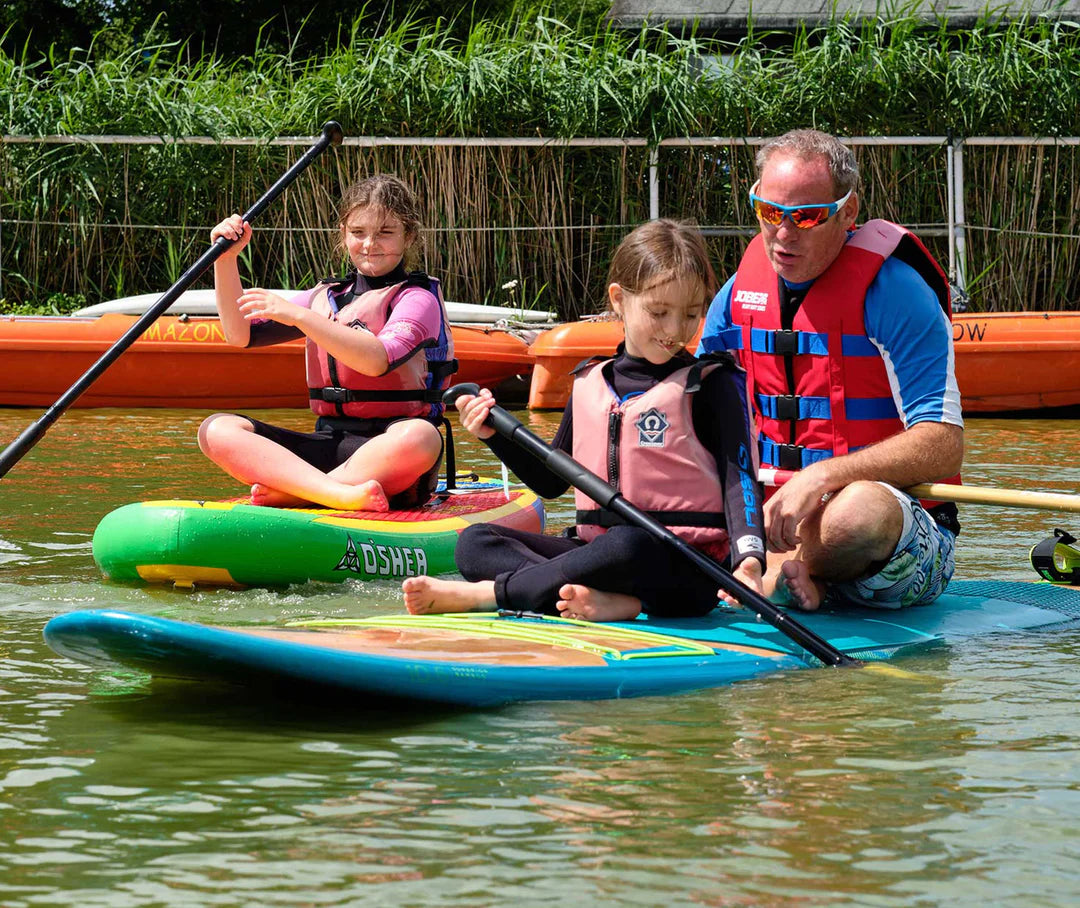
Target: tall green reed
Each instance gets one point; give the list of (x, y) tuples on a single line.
[(101, 219)]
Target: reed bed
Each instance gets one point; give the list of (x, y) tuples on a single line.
[(109, 220)]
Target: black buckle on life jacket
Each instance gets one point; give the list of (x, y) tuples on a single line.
[(1046, 556), (787, 406), (790, 456), (330, 395), (785, 342)]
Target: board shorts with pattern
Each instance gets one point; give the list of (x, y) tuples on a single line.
[(920, 568)]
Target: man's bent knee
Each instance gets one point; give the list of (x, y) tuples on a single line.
[(863, 516)]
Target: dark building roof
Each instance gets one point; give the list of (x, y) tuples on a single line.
[(729, 17)]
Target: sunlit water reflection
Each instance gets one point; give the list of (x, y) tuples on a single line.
[(959, 787)]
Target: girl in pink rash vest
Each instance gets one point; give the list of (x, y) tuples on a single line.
[(379, 350)]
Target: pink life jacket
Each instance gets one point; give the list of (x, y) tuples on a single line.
[(841, 400), (646, 448), (411, 388)]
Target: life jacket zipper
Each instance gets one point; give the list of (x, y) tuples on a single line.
[(614, 429)]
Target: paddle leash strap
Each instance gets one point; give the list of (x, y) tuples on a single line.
[(565, 467), (13, 453)]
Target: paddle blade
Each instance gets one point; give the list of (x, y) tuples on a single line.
[(892, 672)]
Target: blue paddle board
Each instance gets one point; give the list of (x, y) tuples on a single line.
[(488, 659)]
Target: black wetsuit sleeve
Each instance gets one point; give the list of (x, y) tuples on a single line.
[(528, 468), (722, 422), (266, 334)]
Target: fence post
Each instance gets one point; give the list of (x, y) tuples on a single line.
[(950, 199), (654, 183), (957, 232)]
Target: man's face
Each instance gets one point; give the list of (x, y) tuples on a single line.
[(799, 255)]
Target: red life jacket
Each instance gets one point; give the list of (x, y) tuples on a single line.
[(841, 400), (646, 448), (411, 388)]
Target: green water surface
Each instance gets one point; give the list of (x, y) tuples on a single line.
[(959, 786)]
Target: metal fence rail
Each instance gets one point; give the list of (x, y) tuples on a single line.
[(954, 225)]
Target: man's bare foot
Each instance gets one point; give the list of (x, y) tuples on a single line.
[(269, 497), (586, 604), (427, 595), (804, 590)]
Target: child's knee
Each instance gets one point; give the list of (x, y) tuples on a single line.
[(419, 438), (470, 552), (216, 428)]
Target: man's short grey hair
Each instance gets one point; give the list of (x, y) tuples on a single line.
[(809, 144)]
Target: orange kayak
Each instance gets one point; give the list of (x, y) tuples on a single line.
[(1016, 361), (1005, 361), (185, 362)]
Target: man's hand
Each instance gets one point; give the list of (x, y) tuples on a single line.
[(796, 499)]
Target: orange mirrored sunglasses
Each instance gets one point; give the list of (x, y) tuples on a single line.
[(802, 216)]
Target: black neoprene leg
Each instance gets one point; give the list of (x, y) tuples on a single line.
[(529, 569)]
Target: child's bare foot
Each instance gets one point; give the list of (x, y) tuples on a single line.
[(425, 595), (368, 496), (586, 604), (795, 578), (269, 497)]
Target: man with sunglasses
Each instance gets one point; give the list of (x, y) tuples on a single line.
[(845, 337)]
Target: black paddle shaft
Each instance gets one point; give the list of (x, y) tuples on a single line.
[(331, 135), (565, 467)]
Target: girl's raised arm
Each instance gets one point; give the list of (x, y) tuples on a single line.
[(227, 285)]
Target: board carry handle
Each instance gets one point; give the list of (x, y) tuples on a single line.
[(565, 467), (13, 453)]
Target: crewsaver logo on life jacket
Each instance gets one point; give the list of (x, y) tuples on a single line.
[(652, 426), (752, 300), (374, 560)]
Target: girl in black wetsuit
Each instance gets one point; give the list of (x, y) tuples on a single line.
[(675, 433)]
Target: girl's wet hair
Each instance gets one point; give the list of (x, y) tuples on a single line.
[(661, 251), (389, 195)]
